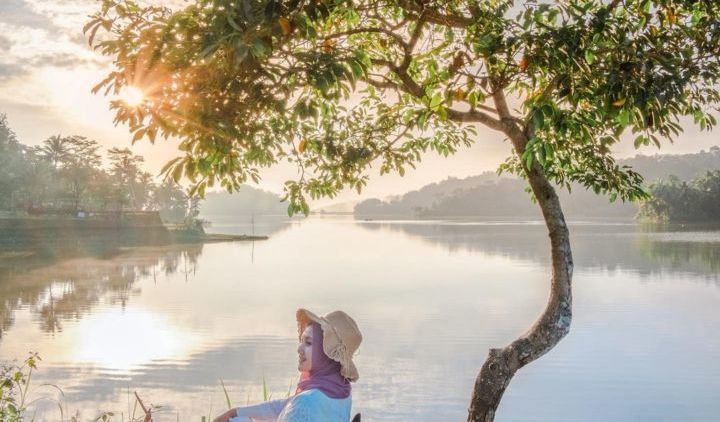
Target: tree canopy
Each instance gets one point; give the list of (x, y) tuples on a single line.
[(245, 84)]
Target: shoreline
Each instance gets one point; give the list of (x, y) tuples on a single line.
[(24, 236)]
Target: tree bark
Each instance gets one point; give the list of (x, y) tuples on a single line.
[(554, 323)]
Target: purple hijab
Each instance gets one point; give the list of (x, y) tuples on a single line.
[(324, 373)]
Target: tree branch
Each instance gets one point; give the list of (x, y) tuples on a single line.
[(410, 46), (413, 88), (508, 121), (475, 116)]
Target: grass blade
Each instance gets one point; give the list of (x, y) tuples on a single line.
[(227, 397), (265, 391)]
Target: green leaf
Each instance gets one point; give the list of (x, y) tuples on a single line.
[(528, 159), (422, 120), (356, 68), (623, 118), (640, 140), (697, 16), (540, 155), (473, 99), (435, 101), (538, 119), (259, 48), (589, 57), (549, 152)]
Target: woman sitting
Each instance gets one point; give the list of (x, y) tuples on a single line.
[(325, 352)]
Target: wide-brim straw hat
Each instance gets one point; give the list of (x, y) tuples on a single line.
[(341, 338)]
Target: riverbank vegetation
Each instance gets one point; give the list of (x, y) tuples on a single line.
[(71, 175), (675, 200)]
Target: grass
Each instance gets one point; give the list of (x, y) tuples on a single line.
[(16, 398)]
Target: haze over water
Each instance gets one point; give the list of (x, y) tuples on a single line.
[(431, 297)]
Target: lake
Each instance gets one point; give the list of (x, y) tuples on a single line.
[(431, 297)]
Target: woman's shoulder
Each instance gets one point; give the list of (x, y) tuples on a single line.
[(315, 395), (313, 404), (315, 398)]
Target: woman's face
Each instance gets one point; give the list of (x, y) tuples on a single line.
[(305, 350)]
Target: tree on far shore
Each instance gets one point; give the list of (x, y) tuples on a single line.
[(65, 174), (55, 149), (336, 87)]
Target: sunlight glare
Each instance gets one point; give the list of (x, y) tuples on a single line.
[(123, 340), (132, 96)]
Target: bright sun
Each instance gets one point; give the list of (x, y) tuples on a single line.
[(132, 96)]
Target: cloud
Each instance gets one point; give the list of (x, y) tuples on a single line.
[(48, 33), (4, 44), (67, 15), (21, 13), (38, 34), (71, 15), (27, 49), (9, 71)]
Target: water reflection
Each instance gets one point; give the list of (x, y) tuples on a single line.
[(58, 290), (694, 257), (596, 247)]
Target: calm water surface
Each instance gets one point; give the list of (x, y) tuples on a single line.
[(431, 297)]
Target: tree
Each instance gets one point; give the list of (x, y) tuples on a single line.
[(75, 160), (7, 135), (81, 165), (128, 178), (55, 149), (12, 165), (37, 178), (335, 86), (170, 200)]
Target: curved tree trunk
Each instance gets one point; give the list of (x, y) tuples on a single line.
[(554, 323)]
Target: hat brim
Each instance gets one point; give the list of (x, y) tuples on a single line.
[(351, 372), (305, 318)]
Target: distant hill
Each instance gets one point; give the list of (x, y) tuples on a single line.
[(413, 201), (488, 195), (684, 166), (246, 201)]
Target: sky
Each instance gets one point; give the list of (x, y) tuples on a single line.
[(47, 71)]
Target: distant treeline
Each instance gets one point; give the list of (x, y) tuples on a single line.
[(490, 196), (680, 201), (65, 175)]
